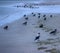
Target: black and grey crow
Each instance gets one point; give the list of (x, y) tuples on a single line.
[(24, 15), (34, 14), (41, 26), (37, 37), (38, 13), (6, 27), (53, 32), (39, 16), (45, 18), (44, 15), (26, 18), (50, 15), (25, 23)]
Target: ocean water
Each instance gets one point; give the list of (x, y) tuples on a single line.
[(5, 11)]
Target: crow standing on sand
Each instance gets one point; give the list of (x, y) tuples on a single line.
[(26, 18), (37, 37), (24, 15), (39, 16), (51, 16), (53, 32), (44, 15), (6, 27), (38, 13), (25, 23), (45, 18), (41, 26)]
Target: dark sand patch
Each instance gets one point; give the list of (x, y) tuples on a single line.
[(41, 48), (53, 50)]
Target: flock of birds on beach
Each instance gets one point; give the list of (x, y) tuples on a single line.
[(27, 6), (40, 26)]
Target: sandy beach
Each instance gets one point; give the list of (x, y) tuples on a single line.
[(21, 22)]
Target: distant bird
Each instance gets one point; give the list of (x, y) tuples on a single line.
[(45, 18), (24, 15), (44, 15), (25, 23), (25, 6), (37, 37), (30, 6), (38, 13), (17, 6), (41, 26), (26, 18), (50, 15), (6, 27), (53, 32), (38, 16), (34, 14)]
